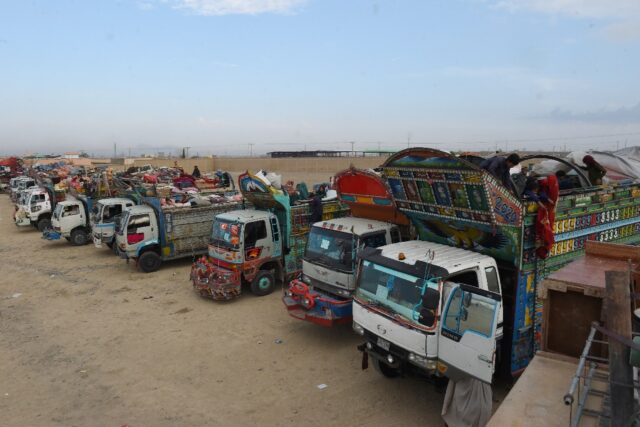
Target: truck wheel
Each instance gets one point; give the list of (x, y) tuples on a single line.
[(385, 369), (79, 238), (44, 224), (263, 284), (149, 262)]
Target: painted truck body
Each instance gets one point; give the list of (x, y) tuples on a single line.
[(453, 202), (323, 293), (256, 246), (151, 234)]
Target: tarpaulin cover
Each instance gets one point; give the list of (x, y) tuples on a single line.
[(620, 165)]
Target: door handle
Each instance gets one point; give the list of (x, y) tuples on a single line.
[(485, 358)]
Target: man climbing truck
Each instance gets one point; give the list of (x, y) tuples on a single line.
[(458, 205), (323, 293), (256, 246)]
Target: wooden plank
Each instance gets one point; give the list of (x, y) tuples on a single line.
[(613, 250), (618, 319)]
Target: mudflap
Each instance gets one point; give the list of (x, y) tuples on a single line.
[(317, 308), (365, 355), (51, 235)]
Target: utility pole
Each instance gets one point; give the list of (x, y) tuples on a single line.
[(408, 139), (251, 144), (352, 145)]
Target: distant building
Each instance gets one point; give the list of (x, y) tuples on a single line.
[(71, 155)]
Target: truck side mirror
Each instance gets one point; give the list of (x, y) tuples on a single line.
[(427, 317), (430, 299)]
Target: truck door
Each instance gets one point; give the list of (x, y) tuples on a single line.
[(256, 241), (467, 339), (139, 230)]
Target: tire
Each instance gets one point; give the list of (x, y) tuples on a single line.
[(385, 369), (149, 262), (79, 237), (263, 284), (44, 224)]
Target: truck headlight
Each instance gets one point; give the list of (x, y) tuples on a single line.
[(421, 361), (358, 329)]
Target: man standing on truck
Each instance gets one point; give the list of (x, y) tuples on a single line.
[(316, 208), (594, 169), (499, 167), (196, 172)]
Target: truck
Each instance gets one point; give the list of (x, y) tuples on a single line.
[(104, 217), (257, 246), (464, 297), (36, 207), (18, 185), (151, 233), (323, 293)]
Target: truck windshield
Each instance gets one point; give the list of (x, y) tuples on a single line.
[(331, 248), (226, 234), (394, 290)]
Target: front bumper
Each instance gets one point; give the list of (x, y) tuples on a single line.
[(393, 355), (22, 221), (307, 304), (216, 283)]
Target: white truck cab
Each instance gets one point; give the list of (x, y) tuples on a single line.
[(329, 259), (35, 209), (18, 185), (429, 306), (104, 216)]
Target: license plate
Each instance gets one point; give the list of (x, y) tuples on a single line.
[(383, 344)]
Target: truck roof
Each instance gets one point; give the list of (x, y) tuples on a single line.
[(447, 257), (243, 215), (114, 200), (360, 225)]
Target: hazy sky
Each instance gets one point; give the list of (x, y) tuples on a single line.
[(218, 75)]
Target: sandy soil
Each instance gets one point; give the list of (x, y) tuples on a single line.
[(86, 340)]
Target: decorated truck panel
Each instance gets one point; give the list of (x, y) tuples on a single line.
[(323, 293), (257, 246), (454, 202)]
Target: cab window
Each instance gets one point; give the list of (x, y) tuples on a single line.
[(469, 277), (71, 210), (468, 312), (253, 232), (492, 279), (137, 222), (395, 235), (374, 240)]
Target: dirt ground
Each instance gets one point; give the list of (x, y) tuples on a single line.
[(86, 340)]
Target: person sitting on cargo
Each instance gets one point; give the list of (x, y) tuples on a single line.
[(533, 192), (499, 167), (196, 172), (594, 169)]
